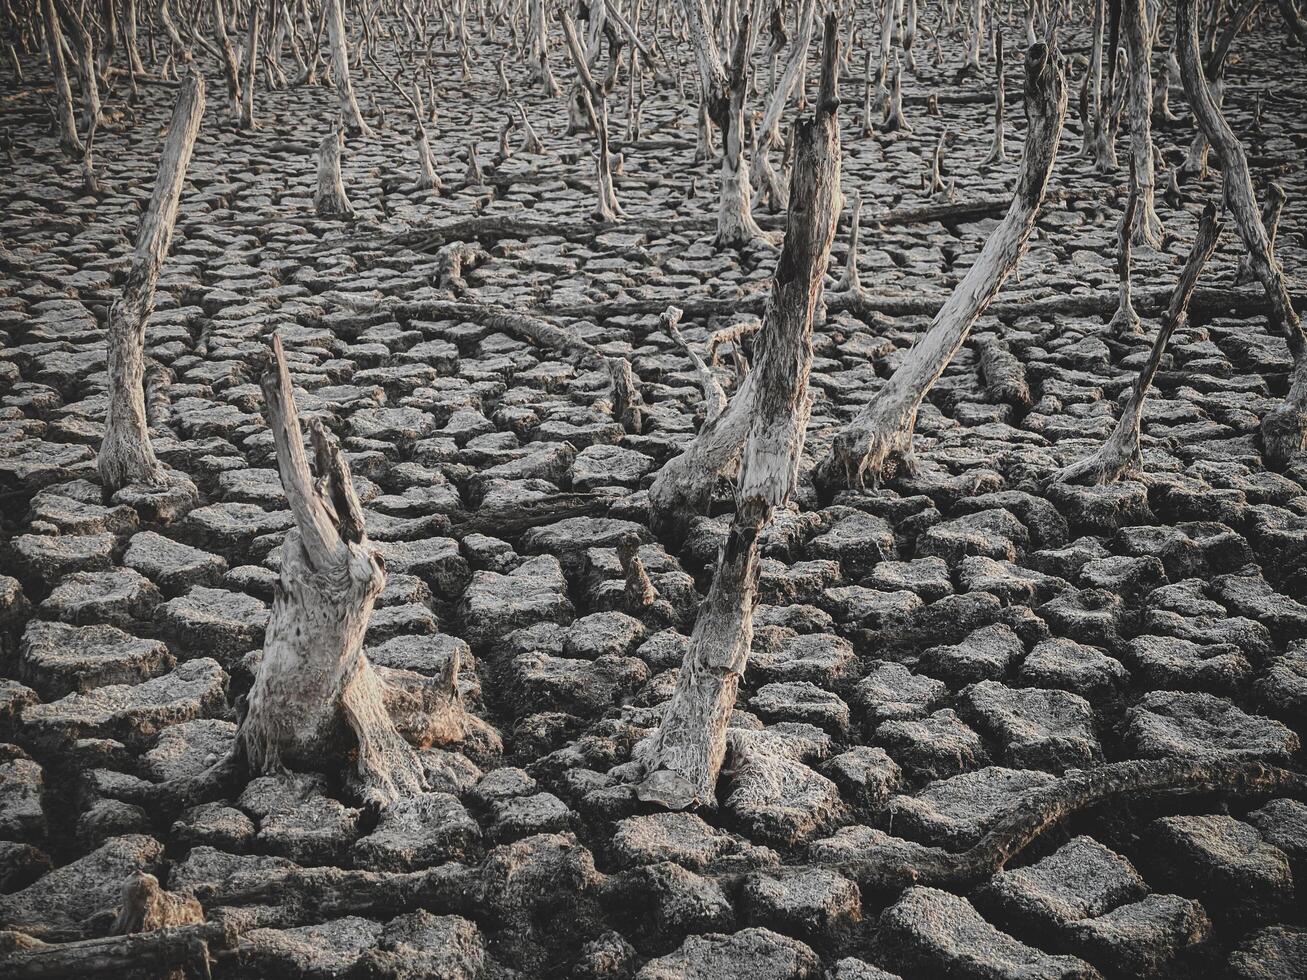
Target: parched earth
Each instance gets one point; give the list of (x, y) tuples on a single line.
[(929, 653)]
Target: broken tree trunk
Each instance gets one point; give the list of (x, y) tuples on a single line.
[(1138, 38), (680, 762), (1284, 428), (593, 96), (126, 457), (251, 68), (1271, 211), (883, 430), (316, 697), (1121, 453), (230, 69), (349, 107), (54, 46), (330, 199)]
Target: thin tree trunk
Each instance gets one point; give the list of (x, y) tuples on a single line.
[(1138, 38), (1121, 453), (1125, 322), (1284, 428), (883, 430), (126, 456), (349, 107), (251, 68), (230, 69), (682, 759), (69, 141)]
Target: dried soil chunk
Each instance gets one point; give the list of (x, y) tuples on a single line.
[(1072, 666), (186, 750), (1283, 688), (927, 577), (58, 659), (956, 812), (857, 541), (1037, 729), (1204, 727), (1170, 663), (820, 658), (929, 932), (813, 903), (316, 952), (987, 654), (1273, 953), (750, 954), (213, 622), (680, 837), (1102, 509), (865, 775), (1223, 862), (93, 883), (495, 605), (801, 701), (133, 714), (173, 566), (1142, 938), (1082, 879), (420, 945), (935, 747), (45, 558), (890, 691), (419, 832), (22, 817), (1283, 824), (120, 597), (992, 533)]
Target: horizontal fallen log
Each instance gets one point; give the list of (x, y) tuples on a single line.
[(1038, 810), (491, 228), (1207, 302), (154, 953)]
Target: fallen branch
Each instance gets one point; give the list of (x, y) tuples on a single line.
[(154, 953)]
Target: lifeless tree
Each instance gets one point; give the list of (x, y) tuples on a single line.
[(882, 432), (251, 67), (1121, 454), (997, 151), (766, 135), (230, 67), (1125, 322), (1138, 37), (1271, 211), (593, 95), (428, 179), (1284, 428), (723, 91), (316, 697), (126, 456), (680, 762), (317, 703), (349, 107), (54, 46), (330, 199), (82, 44)]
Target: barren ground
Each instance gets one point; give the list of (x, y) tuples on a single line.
[(938, 647)]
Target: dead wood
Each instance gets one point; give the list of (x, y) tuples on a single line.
[(126, 457), (882, 432), (155, 953), (1121, 453), (680, 762), (1284, 428)]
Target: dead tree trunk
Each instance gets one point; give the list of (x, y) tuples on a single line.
[(724, 88), (251, 68), (126, 457), (1271, 212), (1121, 453), (349, 107), (998, 152), (330, 199), (765, 181), (1284, 428), (593, 95), (54, 45), (1138, 38), (1125, 322), (682, 759), (316, 696), (83, 45), (883, 430), (230, 69)]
